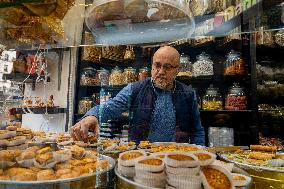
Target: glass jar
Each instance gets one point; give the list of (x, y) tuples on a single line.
[(88, 77), (212, 100), (103, 77), (85, 104), (234, 64), (116, 77), (130, 75), (203, 66), (236, 98), (186, 66), (144, 73)]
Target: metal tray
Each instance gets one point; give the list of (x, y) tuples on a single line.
[(102, 179), (123, 182)]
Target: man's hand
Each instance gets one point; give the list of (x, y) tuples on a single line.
[(80, 130)]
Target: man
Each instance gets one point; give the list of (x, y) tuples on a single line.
[(161, 109)]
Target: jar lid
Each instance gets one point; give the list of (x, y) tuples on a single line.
[(144, 69), (89, 68), (203, 56), (184, 59), (116, 69), (130, 69), (103, 70), (233, 54), (236, 89), (212, 91)]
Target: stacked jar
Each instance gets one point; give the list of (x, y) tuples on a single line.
[(186, 66), (203, 66), (143, 73), (116, 77), (234, 64), (103, 77), (130, 75), (212, 100), (88, 77), (236, 98), (85, 104)]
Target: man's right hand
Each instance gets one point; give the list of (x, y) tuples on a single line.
[(80, 130)]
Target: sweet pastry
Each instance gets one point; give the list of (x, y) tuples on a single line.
[(9, 155), (65, 165), (3, 143), (181, 159), (240, 180), (44, 150), (227, 166), (216, 177), (145, 144), (4, 177), (149, 164), (127, 171), (102, 165), (11, 128), (205, 158), (71, 174), (263, 148), (161, 155), (151, 182), (44, 159), (60, 172), (128, 158), (77, 152), (261, 156), (47, 174), (21, 174), (81, 170)]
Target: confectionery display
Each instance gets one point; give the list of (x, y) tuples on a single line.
[(38, 102), (85, 104), (264, 157), (236, 98), (130, 75), (176, 169), (143, 73), (234, 65), (203, 66), (212, 100)]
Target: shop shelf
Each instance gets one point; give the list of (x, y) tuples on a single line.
[(20, 77), (54, 110), (225, 111)]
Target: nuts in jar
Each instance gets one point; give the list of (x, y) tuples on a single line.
[(203, 66), (212, 105), (88, 77), (116, 77), (103, 77), (84, 105), (143, 73), (129, 75), (234, 65), (212, 100)]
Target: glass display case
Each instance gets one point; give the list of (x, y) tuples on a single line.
[(71, 55)]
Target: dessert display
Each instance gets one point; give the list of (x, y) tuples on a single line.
[(234, 65), (167, 147), (203, 66), (38, 102), (44, 164), (236, 98), (175, 169), (130, 75), (262, 157)]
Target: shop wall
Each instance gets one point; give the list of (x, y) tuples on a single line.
[(57, 122)]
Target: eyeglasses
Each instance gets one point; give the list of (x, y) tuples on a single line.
[(166, 67)]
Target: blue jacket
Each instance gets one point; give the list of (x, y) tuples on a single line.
[(139, 99)]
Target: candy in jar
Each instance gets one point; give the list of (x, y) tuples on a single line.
[(103, 77), (212, 100), (186, 66), (116, 77), (85, 104), (236, 98), (88, 77), (130, 75), (143, 73)]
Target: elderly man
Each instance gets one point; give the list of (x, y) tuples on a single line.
[(161, 109)]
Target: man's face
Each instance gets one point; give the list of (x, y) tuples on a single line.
[(165, 68)]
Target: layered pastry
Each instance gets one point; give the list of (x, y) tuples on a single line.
[(44, 150), (271, 149), (261, 156), (9, 155), (47, 174), (205, 158), (17, 140), (44, 159), (21, 174), (215, 177), (180, 159), (11, 128), (161, 155), (77, 152), (144, 145), (5, 134), (227, 166)]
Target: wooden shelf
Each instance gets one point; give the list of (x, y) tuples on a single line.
[(225, 111)]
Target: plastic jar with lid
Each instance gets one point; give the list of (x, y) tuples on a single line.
[(103, 77), (212, 100), (186, 66), (236, 98), (88, 77), (203, 66), (130, 75), (143, 73), (116, 77), (234, 64), (85, 104)]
